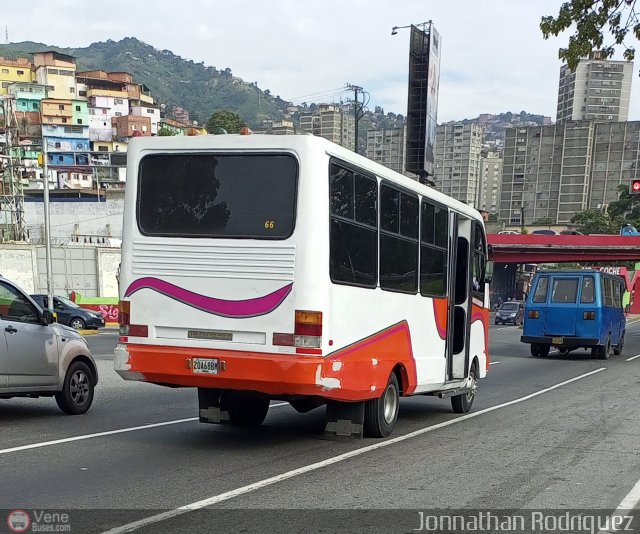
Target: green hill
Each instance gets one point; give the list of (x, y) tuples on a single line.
[(172, 80)]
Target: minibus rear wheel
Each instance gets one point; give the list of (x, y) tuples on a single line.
[(245, 408), (602, 352), (381, 414)]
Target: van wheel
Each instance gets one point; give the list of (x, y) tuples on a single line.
[(463, 403), (77, 391), (535, 350), (617, 350), (544, 350), (381, 414), (602, 352), (245, 409)]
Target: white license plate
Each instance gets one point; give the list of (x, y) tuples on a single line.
[(557, 340), (208, 366)]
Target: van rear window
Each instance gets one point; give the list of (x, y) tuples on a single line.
[(541, 290), (217, 195), (564, 290)]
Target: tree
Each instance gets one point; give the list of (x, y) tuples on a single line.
[(594, 20), (594, 221), (544, 221), (164, 131), (229, 121)]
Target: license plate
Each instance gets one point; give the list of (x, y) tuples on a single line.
[(557, 340), (208, 366)]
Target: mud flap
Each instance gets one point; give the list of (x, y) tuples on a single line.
[(210, 406), (345, 420)]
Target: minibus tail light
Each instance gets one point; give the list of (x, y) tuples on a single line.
[(124, 316), (307, 333), (534, 314), (589, 315)]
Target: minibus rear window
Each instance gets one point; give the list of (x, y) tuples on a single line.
[(564, 291), (217, 195)]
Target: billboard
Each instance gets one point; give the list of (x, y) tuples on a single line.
[(422, 106)]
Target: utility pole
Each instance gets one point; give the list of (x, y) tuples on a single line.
[(356, 109)]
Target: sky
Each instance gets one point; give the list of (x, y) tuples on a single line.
[(493, 59)]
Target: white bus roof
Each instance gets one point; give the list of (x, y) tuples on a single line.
[(296, 143)]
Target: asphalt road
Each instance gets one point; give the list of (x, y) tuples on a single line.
[(553, 433)]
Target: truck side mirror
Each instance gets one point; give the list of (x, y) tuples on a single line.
[(47, 317)]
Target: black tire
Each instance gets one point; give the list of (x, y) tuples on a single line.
[(463, 403), (77, 323), (245, 409), (77, 391), (617, 350), (544, 350), (496, 322), (602, 352), (381, 414), (535, 350)]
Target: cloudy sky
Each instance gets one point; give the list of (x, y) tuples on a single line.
[(494, 58)]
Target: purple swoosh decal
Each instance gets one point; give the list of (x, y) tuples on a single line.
[(237, 309)]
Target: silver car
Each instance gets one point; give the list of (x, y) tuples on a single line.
[(39, 357)]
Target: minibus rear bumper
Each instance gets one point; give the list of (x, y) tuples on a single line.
[(566, 341), (276, 375)]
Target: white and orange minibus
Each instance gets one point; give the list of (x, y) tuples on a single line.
[(259, 267)]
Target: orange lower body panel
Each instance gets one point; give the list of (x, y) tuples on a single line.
[(356, 373)]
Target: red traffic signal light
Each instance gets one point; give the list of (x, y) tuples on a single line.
[(635, 186)]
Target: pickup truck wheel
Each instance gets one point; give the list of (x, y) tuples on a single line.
[(77, 391)]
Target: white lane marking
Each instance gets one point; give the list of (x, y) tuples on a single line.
[(631, 500), (632, 358), (329, 461), (494, 363), (106, 433)]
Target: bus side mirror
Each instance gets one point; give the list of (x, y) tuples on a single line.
[(488, 272)]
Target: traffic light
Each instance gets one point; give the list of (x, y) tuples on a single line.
[(635, 186)]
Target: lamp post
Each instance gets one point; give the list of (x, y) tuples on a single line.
[(47, 223)]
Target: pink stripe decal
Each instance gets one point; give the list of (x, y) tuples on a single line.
[(237, 309)]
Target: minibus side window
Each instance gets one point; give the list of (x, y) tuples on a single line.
[(588, 290), (541, 290), (565, 290)]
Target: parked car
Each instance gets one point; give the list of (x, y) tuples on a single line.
[(71, 314), (508, 232), (41, 358), (544, 232), (573, 309), (511, 311), (570, 232)]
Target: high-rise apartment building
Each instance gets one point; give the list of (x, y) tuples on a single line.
[(457, 161), (388, 147), (596, 90), (490, 182), (332, 123), (557, 171)]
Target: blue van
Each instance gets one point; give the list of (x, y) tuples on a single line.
[(573, 309)]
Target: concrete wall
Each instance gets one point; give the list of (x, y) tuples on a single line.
[(81, 218), (90, 271)]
